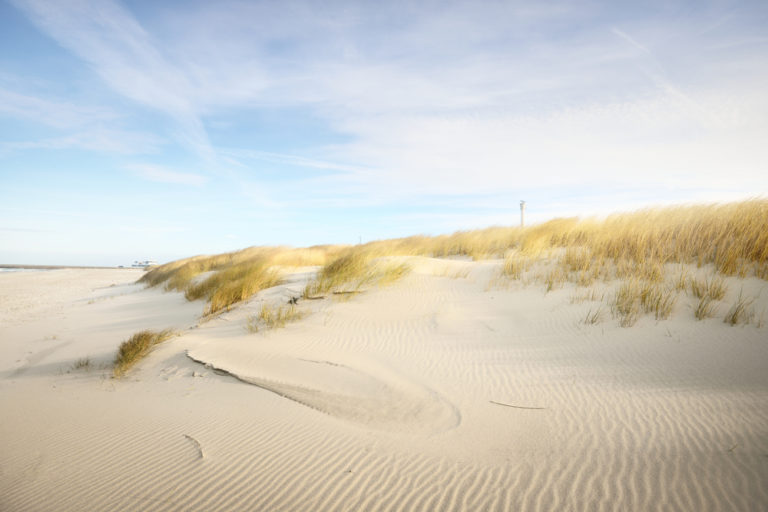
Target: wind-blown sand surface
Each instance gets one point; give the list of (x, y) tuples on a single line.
[(440, 392)]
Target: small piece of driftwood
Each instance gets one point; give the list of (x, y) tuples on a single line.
[(517, 406)]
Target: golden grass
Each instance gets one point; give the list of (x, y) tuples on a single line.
[(657, 300), (636, 247), (555, 278), (515, 265), (589, 295), (137, 347), (272, 317), (593, 317), (714, 287), (705, 308), (739, 312), (352, 269), (626, 303)]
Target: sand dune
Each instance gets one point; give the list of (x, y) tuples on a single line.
[(440, 392)]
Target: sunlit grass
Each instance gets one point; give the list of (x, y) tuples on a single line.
[(638, 249), (136, 348), (352, 270), (705, 308), (739, 312), (271, 317)]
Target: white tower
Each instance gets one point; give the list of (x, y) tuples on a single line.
[(522, 214)]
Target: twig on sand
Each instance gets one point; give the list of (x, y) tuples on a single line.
[(517, 406), (347, 292), (197, 444)]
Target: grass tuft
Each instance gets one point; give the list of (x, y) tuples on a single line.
[(137, 347), (714, 287), (271, 317), (705, 308), (84, 363), (593, 317), (739, 314), (515, 265), (626, 303), (352, 270)]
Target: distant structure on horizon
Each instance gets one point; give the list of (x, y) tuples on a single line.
[(522, 214), (144, 264)]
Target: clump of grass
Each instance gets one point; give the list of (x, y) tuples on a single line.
[(515, 265), (137, 347), (681, 281), (714, 287), (626, 303), (577, 259), (589, 295), (739, 313), (705, 308), (273, 318), (234, 284), (84, 363), (593, 317), (657, 300), (353, 270), (555, 278)]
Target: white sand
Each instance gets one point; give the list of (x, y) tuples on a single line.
[(392, 400)]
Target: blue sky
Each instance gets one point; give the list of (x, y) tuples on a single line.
[(166, 129)]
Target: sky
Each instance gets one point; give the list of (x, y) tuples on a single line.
[(160, 130)]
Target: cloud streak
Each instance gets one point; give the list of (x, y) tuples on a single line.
[(112, 41), (163, 175), (449, 99)]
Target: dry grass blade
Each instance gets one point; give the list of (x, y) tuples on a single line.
[(137, 347), (714, 287), (593, 317), (626, 303), (705, 308), (515, 265), (352, 270), (555, 278), (739, 312), (657, 300), (273, 318)]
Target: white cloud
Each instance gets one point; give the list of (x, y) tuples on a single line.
[(96, 139), (58, 114), (110, 39), (456, 98)]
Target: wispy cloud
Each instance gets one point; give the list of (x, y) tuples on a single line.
[(58, 114), (163, 175), (450, 99), (110, 39), (94, 139)]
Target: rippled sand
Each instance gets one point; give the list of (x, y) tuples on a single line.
[(437, 393)]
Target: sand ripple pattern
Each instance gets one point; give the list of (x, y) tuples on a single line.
[(386, 402)]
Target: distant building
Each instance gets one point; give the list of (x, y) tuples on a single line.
[(144, 264)]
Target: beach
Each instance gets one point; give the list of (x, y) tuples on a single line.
[(449, 389)]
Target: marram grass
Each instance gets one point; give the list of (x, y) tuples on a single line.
[(639, 247), (135, 348)]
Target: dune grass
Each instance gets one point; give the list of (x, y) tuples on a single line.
[(352, 270), (271, 317), (740, 312), (136, 348), (638, 247), (705, 308)]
